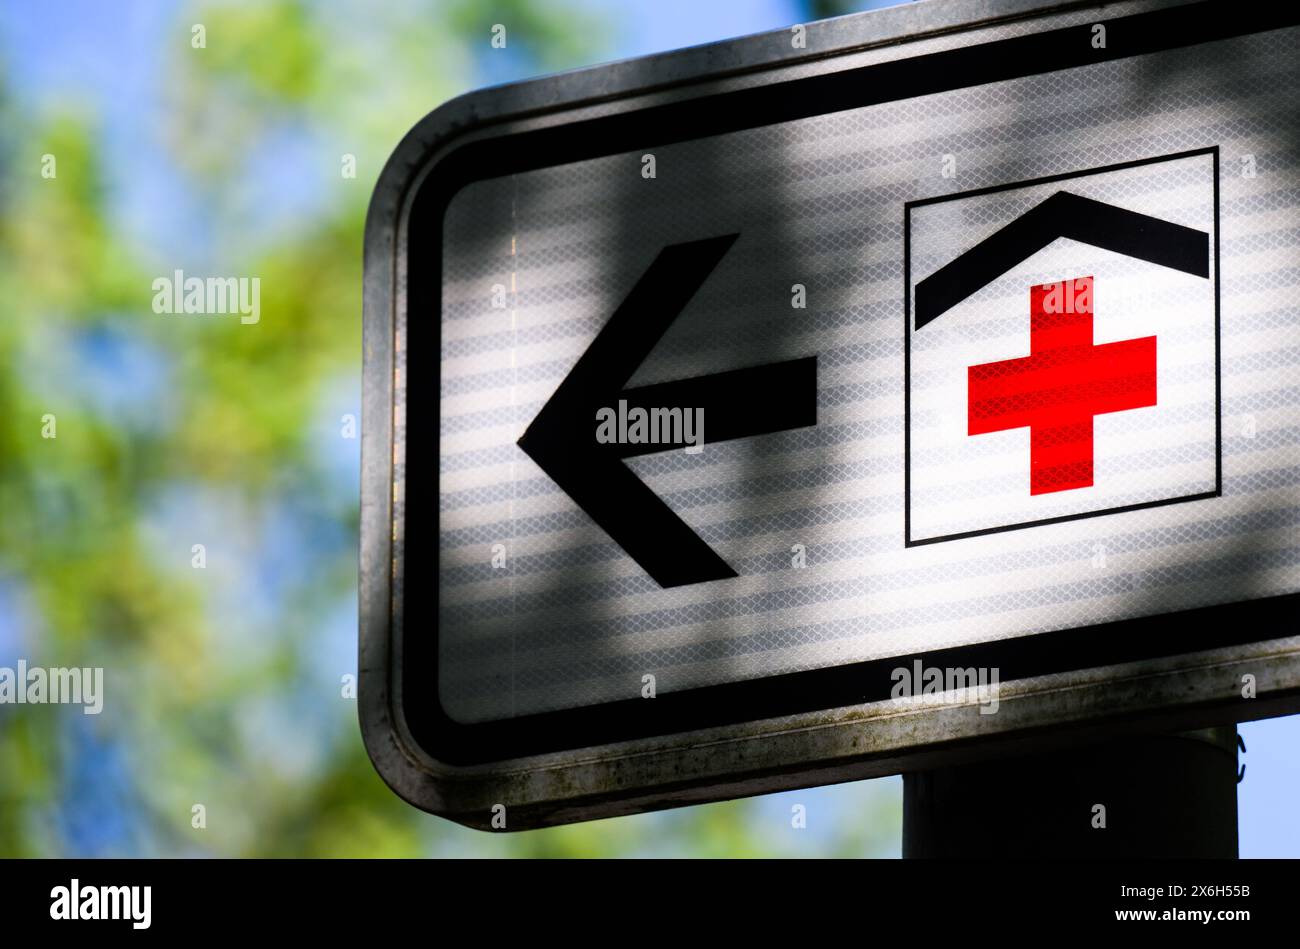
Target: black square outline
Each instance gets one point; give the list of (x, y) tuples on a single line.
[(908, 542)]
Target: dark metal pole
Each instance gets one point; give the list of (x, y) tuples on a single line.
[(1160, 796)]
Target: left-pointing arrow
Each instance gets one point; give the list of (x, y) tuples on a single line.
[(737, 404)]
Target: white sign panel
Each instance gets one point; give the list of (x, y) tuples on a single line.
[(694, 415)]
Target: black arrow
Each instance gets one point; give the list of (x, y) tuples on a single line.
[(737, 404)]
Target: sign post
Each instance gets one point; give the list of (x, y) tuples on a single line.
[(779, 413), (1139, 796)]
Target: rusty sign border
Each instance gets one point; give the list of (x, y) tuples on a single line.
[(710, 760)]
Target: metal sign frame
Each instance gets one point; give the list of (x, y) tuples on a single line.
[(1178, 670)]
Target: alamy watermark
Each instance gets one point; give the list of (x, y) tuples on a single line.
[(33, 685), (653, 426), (209, 295), (955, 685), (75, 901)]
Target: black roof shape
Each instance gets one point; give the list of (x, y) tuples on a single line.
[(1062, 215)]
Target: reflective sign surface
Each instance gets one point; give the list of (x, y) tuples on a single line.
[(700, 406)]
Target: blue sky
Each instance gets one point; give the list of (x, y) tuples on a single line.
[(103, 56)]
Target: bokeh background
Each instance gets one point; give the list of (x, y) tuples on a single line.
[(225, 686)]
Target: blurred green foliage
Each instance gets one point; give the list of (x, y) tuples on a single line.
[(214, 697)]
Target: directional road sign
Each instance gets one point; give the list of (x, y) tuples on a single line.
[(883, 392)]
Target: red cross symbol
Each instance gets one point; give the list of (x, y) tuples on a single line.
[(1061, 385)]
